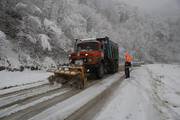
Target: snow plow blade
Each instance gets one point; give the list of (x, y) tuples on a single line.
[(73, 76)]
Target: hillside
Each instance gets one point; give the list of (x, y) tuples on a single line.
[(39, 34)]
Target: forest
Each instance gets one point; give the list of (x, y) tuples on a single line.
[(42, 33)]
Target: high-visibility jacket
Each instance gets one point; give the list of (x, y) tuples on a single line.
[(127, 57)]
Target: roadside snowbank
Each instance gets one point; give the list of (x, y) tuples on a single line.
[(167, 84), (152, 93), (9, 79), (131, 100)]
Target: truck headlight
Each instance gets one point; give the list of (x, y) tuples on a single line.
[(86, 54), (69, 55), (90, 60)]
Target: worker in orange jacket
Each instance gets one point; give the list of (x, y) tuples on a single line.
[(127, 66)]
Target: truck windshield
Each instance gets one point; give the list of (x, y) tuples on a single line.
[(87, 46)]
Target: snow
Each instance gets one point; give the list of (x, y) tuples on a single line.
[(30, 8), (52, 27), (10, 99), (9, 58), (88, 39), (23, 86), (34, 9), (168, 78), (131, 100), (19, 78), (49, 63), (21, 6), (35, 21), (2, 35), (151, 93), (75, 102), (30, 38), (44, 42), (16, 107), (142, 97)]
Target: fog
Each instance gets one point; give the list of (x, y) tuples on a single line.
[(39, 33), (151, 5)]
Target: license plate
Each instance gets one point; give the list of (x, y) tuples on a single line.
[(79, 62)]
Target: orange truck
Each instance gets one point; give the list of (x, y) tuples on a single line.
[(98, 55), (94, 55)]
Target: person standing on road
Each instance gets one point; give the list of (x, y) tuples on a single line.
[(127, 66)]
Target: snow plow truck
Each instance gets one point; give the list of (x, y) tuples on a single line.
[(92, 55)]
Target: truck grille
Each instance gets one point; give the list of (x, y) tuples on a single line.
[(84, 59)]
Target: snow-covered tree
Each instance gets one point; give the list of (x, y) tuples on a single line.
[(47, 28)]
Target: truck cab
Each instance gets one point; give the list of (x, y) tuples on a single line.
[(98, 55), (90, 53)]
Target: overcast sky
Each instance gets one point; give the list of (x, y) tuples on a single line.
[(149, 4)]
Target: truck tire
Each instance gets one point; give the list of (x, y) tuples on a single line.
[(100, 71), (116, 64), (112, 67)]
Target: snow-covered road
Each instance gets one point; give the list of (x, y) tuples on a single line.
[(152, 93)]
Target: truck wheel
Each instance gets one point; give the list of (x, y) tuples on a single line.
[(100, 71), (112, 67), (116, 66)]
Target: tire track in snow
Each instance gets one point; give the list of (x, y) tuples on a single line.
[(18, 107), (21, 90), (18, 98), (27, 112), (29, 107), (33, 110), (159, 101), (93, 107)]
